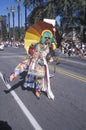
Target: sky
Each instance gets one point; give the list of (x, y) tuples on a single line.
[(8, 3)]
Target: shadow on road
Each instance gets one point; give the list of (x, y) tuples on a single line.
[(4, 126), (20, 84)]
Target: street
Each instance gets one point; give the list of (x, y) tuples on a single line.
[(23, 111)]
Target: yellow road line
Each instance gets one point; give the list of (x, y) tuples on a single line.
[(68, 74)]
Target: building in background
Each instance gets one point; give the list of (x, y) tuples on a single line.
[(3, 30)]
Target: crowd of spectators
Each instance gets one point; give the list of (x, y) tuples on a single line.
[(73, 48), (12, 44), (70, 48)]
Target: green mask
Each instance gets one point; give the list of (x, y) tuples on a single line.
[(46, 34)]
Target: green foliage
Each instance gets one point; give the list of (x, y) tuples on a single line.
[(71, 12), (4, 32), (53, 8)]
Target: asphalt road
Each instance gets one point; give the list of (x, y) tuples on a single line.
[(20, 108)]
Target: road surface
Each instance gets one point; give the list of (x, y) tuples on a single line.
[(23, 111)]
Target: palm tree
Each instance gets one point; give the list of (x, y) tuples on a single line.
[(26, 3), (8, 29), (18, 7), (13, 9)]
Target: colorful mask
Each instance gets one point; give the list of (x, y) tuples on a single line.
[(46, 36)]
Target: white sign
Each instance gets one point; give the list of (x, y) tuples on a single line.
[(51, 21)]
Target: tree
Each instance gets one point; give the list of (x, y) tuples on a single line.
[(18, 1), (72, 13), (26, 4)]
